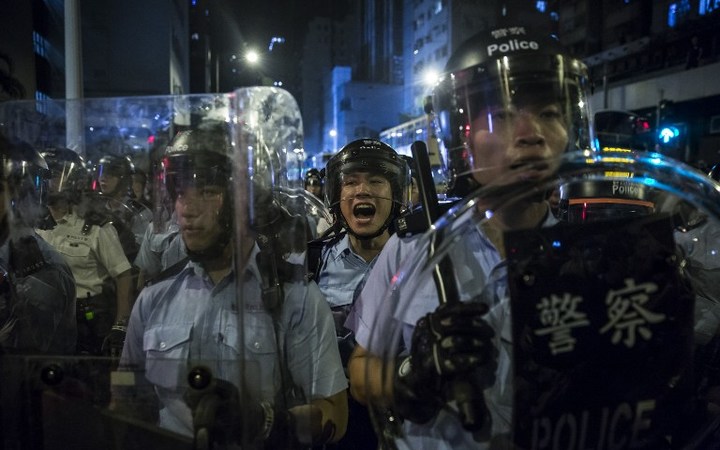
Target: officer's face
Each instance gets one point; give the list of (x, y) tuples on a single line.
[(365, 201), (504, 140), (138, 186), (198, 211), (108, 182)]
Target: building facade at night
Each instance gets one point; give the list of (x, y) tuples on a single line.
[(370, 70)]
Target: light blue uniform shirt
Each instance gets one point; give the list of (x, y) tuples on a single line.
[(342, 270), (186, 320), (481, 275)]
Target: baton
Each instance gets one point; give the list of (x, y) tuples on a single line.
[(463, 392)]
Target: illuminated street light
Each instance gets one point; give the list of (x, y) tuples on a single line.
[(252, 56), (431, 77)]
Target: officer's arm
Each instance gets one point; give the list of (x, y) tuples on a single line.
[(366, 379), (322, 421), (124, 290)]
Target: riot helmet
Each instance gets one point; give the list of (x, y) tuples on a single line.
[(603, 199), (196, 168), (114, 175), (314, 182), (68, 173), (25, 172), (374, 158), (492, 83)]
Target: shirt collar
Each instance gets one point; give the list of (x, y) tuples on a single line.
[(342, 248)]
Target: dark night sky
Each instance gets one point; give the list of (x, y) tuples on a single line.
[(258, 20), (252, 23)]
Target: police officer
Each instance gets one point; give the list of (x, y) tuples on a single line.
[(318, 217), (93, 251), (314, 182), (473, 372), (367, 187), (513, 135), (38, 291), (264, 371), (116, 202)]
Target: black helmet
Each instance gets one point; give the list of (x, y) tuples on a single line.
[(367, 155), (26, 173), (602, 199), (313, 177), (117, 166), (200, 157), (512, 65), (68, 173)]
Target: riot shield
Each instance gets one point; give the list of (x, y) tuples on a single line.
[(594, 329), (227, 345)]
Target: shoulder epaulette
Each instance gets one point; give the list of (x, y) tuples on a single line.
[(26, 257), (169, 272), (94, 218)]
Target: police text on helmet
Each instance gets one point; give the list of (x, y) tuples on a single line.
[(511, 46)]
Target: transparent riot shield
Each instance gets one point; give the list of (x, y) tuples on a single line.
[(227, 345), (292, 365), (598, 328)]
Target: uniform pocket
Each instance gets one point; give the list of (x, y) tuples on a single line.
[(166, 349), (74, 249), (261, 356)]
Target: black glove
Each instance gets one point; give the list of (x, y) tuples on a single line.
[(221, 414), (452, 357), (113, 343)]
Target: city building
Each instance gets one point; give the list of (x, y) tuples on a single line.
[(369, 70), (637, 53), (127, 48)]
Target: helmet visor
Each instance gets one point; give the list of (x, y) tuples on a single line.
[(513, 112)]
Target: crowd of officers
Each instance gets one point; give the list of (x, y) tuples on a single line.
[(85, 271)]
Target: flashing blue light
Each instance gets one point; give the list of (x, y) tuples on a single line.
[(667, 134), (556, 244)]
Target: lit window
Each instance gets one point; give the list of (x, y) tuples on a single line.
[(678, 12), (540, 6), (708, 6)]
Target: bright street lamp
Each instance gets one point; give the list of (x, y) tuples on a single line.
[(252, 56), (431, 77)]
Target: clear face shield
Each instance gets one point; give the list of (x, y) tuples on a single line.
[(512, 113), (240, 349), (505, 325), (68, 180), (26, 178)]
